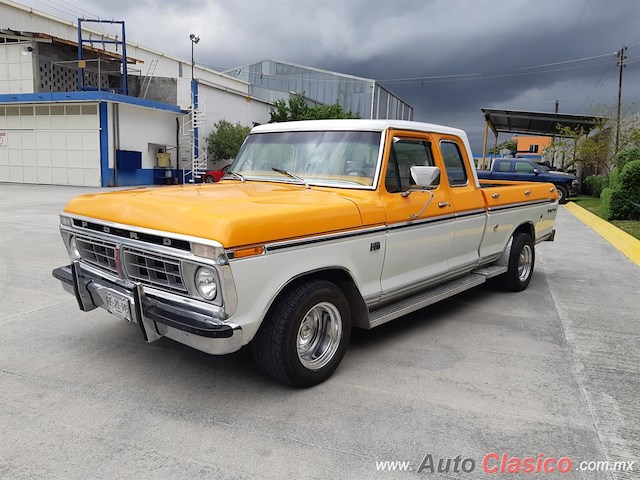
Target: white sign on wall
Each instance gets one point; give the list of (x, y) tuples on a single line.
[(3, 139)]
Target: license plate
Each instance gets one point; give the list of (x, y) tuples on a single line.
[(118, 305)]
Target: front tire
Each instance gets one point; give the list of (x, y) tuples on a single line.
[(209, 179), (564, 194), (305, 334), (521, 262)]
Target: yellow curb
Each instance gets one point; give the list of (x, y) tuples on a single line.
[(627, 244)]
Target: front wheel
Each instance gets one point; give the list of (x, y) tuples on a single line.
[(209, 179), (305, 334), (521, 262), (563, 193)]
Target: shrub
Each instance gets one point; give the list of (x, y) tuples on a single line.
[(614, 178), (596, 183), (623, 201), (627, 155)]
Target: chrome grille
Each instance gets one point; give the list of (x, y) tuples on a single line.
[(154, 270), (98, 253)]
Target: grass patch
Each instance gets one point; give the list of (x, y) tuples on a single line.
[(592, 204)]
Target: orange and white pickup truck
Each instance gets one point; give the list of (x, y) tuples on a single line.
[(316, 228)]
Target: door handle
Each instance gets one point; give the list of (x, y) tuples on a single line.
[(443, 204)]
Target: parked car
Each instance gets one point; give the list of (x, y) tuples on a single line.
[(525, 170), (213, 176)]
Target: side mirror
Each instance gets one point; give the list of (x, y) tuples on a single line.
[(425, 176), (536, 171)]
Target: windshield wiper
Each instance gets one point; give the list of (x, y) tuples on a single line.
[(295, 177), (237, 175)]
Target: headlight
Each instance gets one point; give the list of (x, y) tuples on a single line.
[(206, 283), (73, 249), (575, 183)]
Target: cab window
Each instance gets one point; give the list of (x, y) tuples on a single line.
[(406, 153), (453, 163), (524, 167)]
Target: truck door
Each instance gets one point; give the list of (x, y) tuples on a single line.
[(468, 203), (420, 223)]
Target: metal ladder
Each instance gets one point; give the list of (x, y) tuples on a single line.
[(146, 81)]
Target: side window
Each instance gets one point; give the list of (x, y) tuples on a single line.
[(405, 154), (503, 166), (524, 167), (453, 163)]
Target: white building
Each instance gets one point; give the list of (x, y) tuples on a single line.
[(52, 132)]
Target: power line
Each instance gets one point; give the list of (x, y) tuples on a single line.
[(568, 61)]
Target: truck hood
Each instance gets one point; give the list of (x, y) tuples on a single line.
[(564, 174), (232, 213)]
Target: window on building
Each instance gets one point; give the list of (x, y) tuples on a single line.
[(533, 148)]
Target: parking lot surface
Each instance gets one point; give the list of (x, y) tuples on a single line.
[(553, 370)]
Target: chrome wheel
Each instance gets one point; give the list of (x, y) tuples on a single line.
[(525, 263), (319, 335), (209, 180)]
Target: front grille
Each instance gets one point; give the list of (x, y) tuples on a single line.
[(154, 270), (98, 253)]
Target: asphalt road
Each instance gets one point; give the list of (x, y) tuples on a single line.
[(553, 370)]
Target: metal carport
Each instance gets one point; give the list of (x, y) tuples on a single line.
[(538, 123)]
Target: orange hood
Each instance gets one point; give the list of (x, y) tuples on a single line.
[(232, 213)]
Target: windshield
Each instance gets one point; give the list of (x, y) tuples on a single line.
[(330, 158)]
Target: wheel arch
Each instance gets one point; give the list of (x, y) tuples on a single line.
[(339, 276), (527, 228)]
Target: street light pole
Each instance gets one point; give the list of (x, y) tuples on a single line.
[(194, 39)]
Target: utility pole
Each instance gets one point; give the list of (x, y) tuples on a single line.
[(557, 106), (622, 56)]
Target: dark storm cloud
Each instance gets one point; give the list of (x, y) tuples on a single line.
[(413, 38)]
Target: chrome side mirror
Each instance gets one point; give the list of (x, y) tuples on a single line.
[(425, 176)]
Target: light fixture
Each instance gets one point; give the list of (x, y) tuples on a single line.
[(27, 50), (194, 39)]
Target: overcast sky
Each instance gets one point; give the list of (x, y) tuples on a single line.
[(404, 39)]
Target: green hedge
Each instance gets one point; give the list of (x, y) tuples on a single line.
[(621, 201)]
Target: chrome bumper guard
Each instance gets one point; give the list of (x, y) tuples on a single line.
[(157, 317)]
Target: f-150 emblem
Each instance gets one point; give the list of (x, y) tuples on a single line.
[(375, 246)]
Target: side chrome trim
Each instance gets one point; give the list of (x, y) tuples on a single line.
[(323, 238), (520, 205)]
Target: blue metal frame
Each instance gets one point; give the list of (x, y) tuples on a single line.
[(105, 171), (92, 96), (124, 89)]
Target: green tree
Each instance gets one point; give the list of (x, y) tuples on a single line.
[(225, 140), (510, 145), (297, 108)]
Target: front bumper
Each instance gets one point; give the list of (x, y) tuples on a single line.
[(157, 317)]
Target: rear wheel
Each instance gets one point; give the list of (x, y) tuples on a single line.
[(305, 334), (521, 262), (564, 194)]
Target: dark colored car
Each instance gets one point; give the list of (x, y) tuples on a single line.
[(215, 175), (525, 170)]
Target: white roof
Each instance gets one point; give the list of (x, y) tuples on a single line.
[(366, 125)]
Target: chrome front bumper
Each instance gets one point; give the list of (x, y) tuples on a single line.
[(157, 317)]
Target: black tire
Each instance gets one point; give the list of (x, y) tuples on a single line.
[(521, 263), (276, 345), (564, 194), (209, 179)]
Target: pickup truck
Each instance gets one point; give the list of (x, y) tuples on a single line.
[(525, 170), (318, 227)]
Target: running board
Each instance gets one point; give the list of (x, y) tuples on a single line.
[(434, 295)]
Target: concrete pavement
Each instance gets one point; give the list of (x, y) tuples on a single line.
[(552, 370)]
